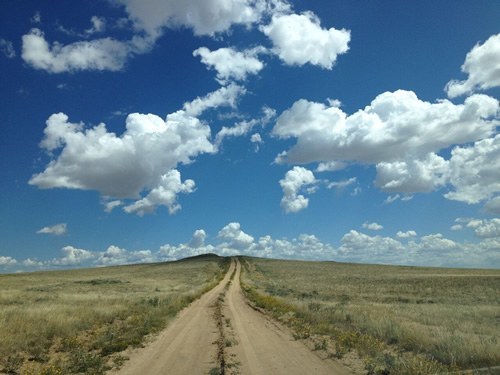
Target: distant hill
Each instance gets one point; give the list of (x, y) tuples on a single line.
[(207, 256)]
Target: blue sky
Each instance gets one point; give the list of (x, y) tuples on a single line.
[(139, 131)]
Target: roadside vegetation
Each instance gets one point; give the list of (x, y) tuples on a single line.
[(78, 321), (397, 320)]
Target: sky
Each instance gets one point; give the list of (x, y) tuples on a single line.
[(356, 131)]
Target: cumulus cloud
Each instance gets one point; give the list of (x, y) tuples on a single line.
[(401, 135), (360, 247), (411, 176), (493, 205), (72, 256), (142, 159), (198, 239), (372, 226), (149, 20), (7, 48), (484, 228), (57, 230), (330, 166), (407, 234), (164, 194), (475, 171), (482, 65), (299, 39), (115, 255), (99, 54), (207, 17), (395, 126), (122, 167), (231, 64), (295, 179), (234, 236), (428, 250), (7, 261)]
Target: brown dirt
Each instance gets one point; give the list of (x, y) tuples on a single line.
[(253, 343)]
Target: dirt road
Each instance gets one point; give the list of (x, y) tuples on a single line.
[(244, 342)]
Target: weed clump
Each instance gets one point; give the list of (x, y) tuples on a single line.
[(78, 321), (399, 320)]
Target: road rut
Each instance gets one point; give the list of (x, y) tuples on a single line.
[(254, 344)]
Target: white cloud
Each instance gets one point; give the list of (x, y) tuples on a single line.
[(224, 96), (121, 167), (413, 175), (359, 247), (407, 234), (300, 39), (142, 160), (306, 246), (395, 126), (164, 194), (98, 25), (482, 65), (256, 138), (143, 157), (113, 255), (37, 18), (484, 228), (150, 19), (372, 226), (493, 205), (111, 205), (244, 127), (401, 135), (234, 237), (475, 171), (206, 17), (295, 179), (73, 256), (7, 48), (57, 230), (99, 54), (429, 250), (342, 184), (7, 261), (330, 166), (198, 239), (231, 64), (437, 242)]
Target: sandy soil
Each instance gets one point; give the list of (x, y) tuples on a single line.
[(253, 343)]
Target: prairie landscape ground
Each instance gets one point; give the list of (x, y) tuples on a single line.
[(78, 321), (398, 320)]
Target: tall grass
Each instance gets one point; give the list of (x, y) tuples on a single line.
[(79, 321), (399, 319)]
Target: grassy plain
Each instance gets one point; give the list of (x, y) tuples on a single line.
[(399, 320), (68, 322)]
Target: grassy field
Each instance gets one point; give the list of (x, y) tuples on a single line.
[(68, 322), (399, 320)]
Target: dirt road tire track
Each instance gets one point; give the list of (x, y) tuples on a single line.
[(187, 345), (258, 344), (264, 347)]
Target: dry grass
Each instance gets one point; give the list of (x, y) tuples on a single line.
[(401, 320), (78, 321)]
